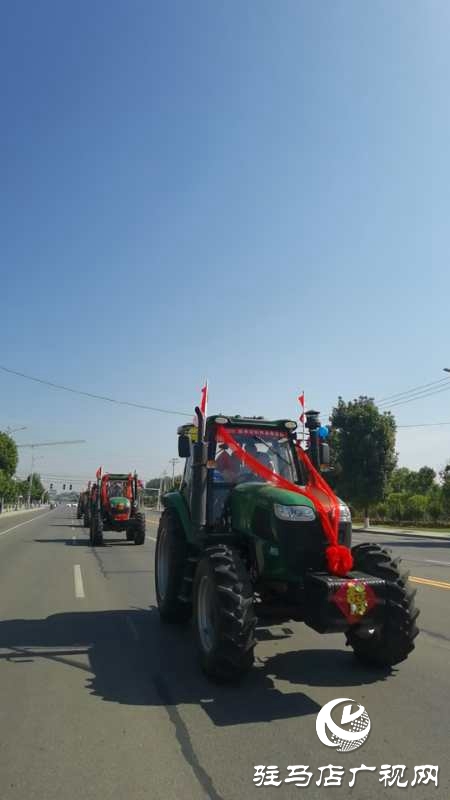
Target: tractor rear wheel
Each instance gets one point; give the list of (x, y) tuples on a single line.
[(139, 528), (171, 561), (392, 642), (96, 531), (224, 614)]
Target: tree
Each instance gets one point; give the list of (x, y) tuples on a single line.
[(434, 503), (8, 455), (445, 489), (424, 480), (8, 487), (364, 443), (415, 507), (396, 506), (400, 480), (411, 482), (37, 489)]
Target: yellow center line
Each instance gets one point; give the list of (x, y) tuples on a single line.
[(430, 582)]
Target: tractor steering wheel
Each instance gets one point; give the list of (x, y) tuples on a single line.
[(246, 476)]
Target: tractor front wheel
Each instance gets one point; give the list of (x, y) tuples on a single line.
[(139, 528), (393, 641), (171, 561), (224, 614), (96, 531)]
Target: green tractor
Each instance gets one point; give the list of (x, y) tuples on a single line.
[(249, 536), (115, 506)]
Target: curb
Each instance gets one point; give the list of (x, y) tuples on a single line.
[(5, 514), (425, 535)]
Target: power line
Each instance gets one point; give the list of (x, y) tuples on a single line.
[(424, 425), (420, 396), (412, 390), (94, 396), (51, 444)]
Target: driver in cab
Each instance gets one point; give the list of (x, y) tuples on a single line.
[(231, 467), (228, 464)]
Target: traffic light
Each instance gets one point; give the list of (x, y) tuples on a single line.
[(70, 487), (64, 487), (51, 486)]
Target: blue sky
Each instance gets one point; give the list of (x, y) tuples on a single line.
[(257, 192)]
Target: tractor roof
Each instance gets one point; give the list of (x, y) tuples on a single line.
[(241, 422), (116, 476)]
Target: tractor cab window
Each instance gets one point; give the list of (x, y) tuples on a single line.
[(116, 489), (270, 449)]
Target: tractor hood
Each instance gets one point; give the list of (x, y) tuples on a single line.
[(284, 527), (250, 500), (119, 505)]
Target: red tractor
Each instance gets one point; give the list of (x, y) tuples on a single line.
[(115, 506)]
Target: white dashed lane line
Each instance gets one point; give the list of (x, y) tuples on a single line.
[(79, 588)]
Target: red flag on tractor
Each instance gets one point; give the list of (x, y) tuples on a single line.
[(301, 400), (204, 400)]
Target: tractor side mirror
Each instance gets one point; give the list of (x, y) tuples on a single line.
[(184, 446), (324, 454)]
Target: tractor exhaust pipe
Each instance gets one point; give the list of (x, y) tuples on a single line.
[(199, 474), (313, 425)]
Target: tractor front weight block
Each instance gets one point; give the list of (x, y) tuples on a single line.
[(334, 604)]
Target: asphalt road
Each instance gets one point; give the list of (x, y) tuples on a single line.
[(99, 700)]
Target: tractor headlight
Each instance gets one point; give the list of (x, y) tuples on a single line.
[(294, 513), (344, 513)]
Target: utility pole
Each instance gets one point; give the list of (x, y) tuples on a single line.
[(162, 480), (173, 461), (44, 444)]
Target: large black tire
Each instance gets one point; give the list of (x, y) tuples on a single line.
[(96, 531), (395, 640), (224, 615), (171, 564), (86, 520), (139, 528)]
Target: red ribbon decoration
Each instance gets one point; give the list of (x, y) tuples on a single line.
[(339, 557)]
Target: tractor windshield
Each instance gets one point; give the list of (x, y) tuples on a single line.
[(116, 489), (271, 448)]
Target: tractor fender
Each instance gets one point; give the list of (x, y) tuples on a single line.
[(176, 502)]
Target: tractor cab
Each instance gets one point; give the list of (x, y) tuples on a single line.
[(271, 444), (233, 485)]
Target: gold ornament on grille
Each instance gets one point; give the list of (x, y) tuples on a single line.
[(357, 599)]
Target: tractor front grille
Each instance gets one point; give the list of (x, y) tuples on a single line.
[(302, 546)]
